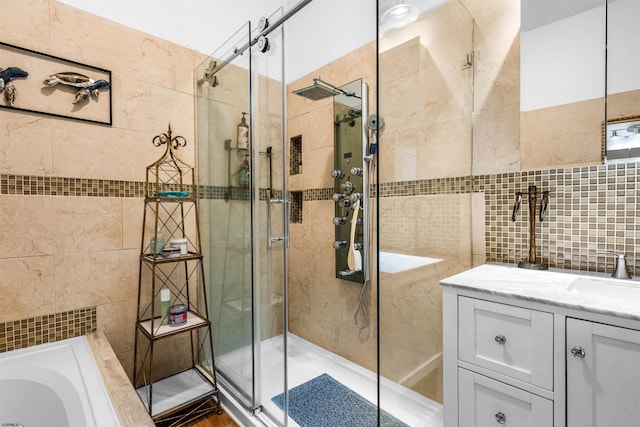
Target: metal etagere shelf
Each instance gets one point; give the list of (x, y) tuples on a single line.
[(174, 370)]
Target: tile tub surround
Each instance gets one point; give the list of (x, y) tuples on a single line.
[(44, 329), (24, 333), (127, 404), (548, 287)]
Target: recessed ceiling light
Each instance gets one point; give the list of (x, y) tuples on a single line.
[(399, 15)]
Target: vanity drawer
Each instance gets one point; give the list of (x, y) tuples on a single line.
[(513, 341), (486, 402)]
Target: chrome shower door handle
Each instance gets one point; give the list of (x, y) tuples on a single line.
[(270, 238)]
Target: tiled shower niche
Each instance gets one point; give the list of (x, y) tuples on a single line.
[(295, 155)]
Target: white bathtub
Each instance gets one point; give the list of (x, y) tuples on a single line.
[(55, 384)]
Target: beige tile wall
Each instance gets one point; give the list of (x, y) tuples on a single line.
[(448, 192), (321, 307), (71, 203)]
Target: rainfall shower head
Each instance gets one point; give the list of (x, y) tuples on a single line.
[(317, 91)]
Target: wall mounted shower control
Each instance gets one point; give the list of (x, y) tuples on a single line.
[(337, 173), (355, 196), (351, 186), (339, 220), (339, 244), (345, 203), (347, 187)]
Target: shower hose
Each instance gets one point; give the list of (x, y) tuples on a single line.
[(361, 311)]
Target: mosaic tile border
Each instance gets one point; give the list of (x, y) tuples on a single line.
[(455, 185), (28, 185), (49, 328), (75, 187), (593, 209)]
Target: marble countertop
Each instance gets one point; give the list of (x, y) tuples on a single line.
[(125, 400), (564, 288)]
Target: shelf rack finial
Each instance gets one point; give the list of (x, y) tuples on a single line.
[(173, 142)]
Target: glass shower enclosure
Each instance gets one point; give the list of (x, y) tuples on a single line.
[(282, 315), (243, 201)]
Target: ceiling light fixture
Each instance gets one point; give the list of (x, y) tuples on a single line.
[(399, 15)]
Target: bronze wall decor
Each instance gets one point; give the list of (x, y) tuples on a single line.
[(36, 82), (532, 193), (9, 89)]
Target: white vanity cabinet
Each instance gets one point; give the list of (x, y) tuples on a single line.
[(487, 402), (603, 375), (504, 365), (510, 340), (525, 349)]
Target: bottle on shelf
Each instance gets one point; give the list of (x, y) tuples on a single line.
[(165, 303), (157, 244), (242, 136)]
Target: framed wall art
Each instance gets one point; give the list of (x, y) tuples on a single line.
[(35, 82)]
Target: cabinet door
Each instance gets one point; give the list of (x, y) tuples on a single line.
[(484, 402), (603, 375), (513, 341)]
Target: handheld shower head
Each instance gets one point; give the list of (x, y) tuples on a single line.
[(376, 124)]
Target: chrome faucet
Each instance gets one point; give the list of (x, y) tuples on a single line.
[(620, 271)]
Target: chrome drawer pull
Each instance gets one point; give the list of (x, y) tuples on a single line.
[(500, 339), (578, 351), (501, 418)]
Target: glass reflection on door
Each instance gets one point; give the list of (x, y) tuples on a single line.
[(244, 205), (223, 98)]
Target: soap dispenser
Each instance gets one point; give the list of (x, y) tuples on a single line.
[(242, 141)]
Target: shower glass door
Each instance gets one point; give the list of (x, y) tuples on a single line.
[(270, 220), (244, 206), (225, 198)]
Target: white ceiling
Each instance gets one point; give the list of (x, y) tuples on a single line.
[(201, 25), (327, 29), (536, 13)]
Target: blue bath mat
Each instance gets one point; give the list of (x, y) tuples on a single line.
[(325, 402)]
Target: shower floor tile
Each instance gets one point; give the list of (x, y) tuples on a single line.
[(307, 361)]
